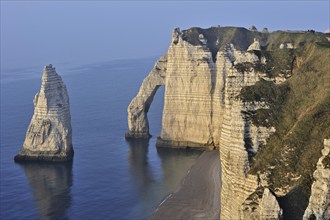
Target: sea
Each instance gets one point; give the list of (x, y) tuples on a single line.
[(109, 177)]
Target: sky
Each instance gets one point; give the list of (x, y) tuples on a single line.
[(35, 33)]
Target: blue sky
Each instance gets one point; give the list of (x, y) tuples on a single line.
[(34, 33)]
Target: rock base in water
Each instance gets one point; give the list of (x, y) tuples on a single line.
[(183, 144), (130, 135), (25, 155)]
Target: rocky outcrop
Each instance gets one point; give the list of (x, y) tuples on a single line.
[(319, 201), (269, 207), (138, 125), (202, 39), (262, 204), (49, 135), (265, 30), (255, 46), (286, 46)]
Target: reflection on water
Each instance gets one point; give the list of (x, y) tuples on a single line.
[(139, 164), (143, 179), (50, 184), (153, 185), (175, 164), (112, 178)]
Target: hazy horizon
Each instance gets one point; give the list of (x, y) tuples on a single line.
[(35, 33)]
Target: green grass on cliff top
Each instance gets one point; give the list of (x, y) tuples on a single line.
[(302, 122), (241, 38), (300, 107)]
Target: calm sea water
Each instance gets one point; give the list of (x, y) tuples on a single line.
[(109, 177)]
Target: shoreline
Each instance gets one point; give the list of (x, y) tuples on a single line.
[(198, 196), (184, 144)]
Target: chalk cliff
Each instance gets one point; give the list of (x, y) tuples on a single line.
[(227, 88), (319, 202), (192, 97), (49, 135), (239, 140)]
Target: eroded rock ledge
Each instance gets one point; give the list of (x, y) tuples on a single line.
[(49, 135), (319, 201)]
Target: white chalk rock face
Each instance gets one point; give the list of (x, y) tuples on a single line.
[(49, 135), (269, 207), (262, 204), (255, 46), (319, 201), (195, 81), (138, 126), (192, 97), (237, 184)]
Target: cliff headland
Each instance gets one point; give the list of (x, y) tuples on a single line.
[(262, 99)]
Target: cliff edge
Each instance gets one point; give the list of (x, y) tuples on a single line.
[(319, 201)]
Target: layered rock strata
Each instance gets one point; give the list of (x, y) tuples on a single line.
[(192, 97), (49, 135), (239, 140), (319, 201)]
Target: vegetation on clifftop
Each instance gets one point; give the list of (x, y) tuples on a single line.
[(272, 94), (301, 116), (299, 108), (278, 62), (219, 37)]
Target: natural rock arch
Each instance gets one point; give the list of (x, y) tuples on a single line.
[(138, 125)]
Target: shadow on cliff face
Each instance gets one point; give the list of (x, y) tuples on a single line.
[(51, 186), (294, 204)]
